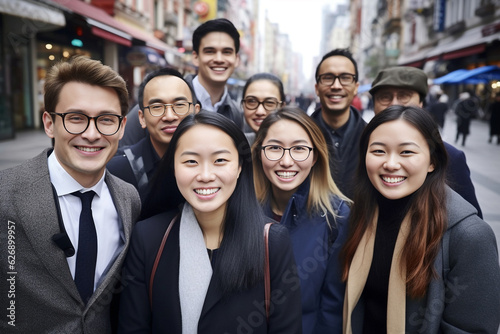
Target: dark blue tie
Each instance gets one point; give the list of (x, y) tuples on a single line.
[(86, 256)]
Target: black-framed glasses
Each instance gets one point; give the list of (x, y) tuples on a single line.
[(328, 79), (159, 109), (269, 104), (77, 123), (385, 98), (297, 152)]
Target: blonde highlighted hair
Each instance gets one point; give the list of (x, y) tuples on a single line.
[(322, 187)]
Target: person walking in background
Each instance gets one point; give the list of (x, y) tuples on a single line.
[(439, 109), (263, 93), (336, 85), (417, 256), (494, 110), (67, 220), (404, 85), (208, 273), (465, 109), (293, 183)]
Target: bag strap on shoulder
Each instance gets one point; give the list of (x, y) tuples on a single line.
[(267, 274), (157, 260)]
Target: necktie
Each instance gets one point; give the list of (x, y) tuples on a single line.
[(86, 256)]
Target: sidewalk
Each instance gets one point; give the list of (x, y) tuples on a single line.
[(24, 146)]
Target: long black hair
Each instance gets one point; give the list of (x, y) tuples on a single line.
[(240, 262)]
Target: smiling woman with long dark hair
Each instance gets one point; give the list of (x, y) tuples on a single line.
[(208, 275)]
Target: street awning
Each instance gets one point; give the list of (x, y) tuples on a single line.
[(107, 27), (481, 74), (470, 42), (445, 78), (35, 11)]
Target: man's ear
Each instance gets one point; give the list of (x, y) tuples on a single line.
[(197, 108), (195, 60), (48, 124), (141, 119)]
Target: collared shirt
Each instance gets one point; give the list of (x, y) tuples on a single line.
[(204, 98), (106, 219)]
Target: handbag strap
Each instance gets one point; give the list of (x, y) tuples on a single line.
[(267, 274), (157, 260)]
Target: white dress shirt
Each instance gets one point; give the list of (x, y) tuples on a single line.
[(107, 222), (204, 98)]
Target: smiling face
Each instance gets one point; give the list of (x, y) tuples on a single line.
[(165, 89), (259, 90), (336, 99), (398, 159), (84, 156), (206, 169), (216, 59), (286, 174)]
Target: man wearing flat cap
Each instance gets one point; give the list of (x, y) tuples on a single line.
[(403, 85)]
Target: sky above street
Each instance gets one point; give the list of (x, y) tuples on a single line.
[(301, 20)]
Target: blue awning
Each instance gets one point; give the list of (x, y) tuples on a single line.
[(483, 74), (445, 78)]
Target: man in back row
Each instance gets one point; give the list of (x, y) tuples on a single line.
[(216, 44)]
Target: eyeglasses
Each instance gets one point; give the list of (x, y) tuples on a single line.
[(297, 152), (328, 79), (269, 104), (385, 98), (77, 123), (179, 108)]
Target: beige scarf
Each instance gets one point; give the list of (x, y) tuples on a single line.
[(358, 273)]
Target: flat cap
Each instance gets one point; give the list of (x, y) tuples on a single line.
[(403, 77)]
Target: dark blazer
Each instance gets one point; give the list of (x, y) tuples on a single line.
[(458, 176), (145, 157), (243, 311), (46, 298), (343, 164)]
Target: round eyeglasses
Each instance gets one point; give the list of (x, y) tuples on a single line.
[(297, 152), (77, 123), (159, 109), (269, 104), (385, 98), (328, 79)]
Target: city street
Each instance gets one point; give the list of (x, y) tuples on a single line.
[(483, 159)]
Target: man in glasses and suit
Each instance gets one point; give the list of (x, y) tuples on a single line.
[(65, 222), (165, 99)]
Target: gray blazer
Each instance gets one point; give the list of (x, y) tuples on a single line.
[(40, 295)]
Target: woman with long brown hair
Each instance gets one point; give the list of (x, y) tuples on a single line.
[(418, 259)]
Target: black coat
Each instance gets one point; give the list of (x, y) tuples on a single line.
[(240, 312)]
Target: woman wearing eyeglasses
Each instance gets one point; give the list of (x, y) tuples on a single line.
[(293, 183), (262, 94)]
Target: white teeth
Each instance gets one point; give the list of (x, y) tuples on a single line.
[(393, 179), (206, 191), (218, 68), (286, 175), (88, 149), (336, 97)]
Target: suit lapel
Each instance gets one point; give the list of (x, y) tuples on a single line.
[(39, 219), (214, 294)]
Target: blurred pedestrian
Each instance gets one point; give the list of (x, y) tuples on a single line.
[(438, 110), (494, 111), (417, 256), (263, 93), (465, 109)]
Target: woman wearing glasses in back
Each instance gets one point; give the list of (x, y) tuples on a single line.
[(263, 93), (293, 183)]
